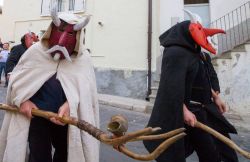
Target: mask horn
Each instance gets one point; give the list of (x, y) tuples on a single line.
[(193, 17), (81, 25), (54, 16), (198, 18)]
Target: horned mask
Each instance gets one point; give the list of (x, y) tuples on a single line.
[(63, 36), (200, 34)]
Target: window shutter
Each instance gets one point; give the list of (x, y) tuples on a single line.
[(45, 8), (79, 5)]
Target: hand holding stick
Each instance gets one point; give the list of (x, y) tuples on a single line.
[(119, 137)]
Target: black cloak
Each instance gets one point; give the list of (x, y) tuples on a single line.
[(180, 64), (214, 118)]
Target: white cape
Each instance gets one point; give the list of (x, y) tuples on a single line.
[(78, 81)]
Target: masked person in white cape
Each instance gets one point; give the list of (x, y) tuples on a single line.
[(55, 74)]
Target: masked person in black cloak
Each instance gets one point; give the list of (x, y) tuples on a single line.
[(180, 68)]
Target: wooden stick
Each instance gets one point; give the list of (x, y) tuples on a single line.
[(222, 138), (161, 148), (160, 136), (107, 139)]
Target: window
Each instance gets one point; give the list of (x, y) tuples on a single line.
[(45, 8), (79, 5), (71, 5), (62, 5), (195, 1)]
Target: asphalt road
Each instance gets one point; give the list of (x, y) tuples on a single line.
[(136, 121)]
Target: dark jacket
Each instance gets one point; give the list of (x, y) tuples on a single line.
[(15, 54), (50, 96), (179, 67)]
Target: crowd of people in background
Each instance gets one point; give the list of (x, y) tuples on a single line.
[(9, 58), (4, 54)]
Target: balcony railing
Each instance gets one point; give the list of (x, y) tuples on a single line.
[(237, 26)]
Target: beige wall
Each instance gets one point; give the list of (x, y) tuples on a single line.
[(15, 12), (171, 11), (122, 40), (121, 43)]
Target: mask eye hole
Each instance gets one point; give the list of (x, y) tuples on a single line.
[(70, 33), (60, 30)]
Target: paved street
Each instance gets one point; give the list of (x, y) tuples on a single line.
[(136, 121)]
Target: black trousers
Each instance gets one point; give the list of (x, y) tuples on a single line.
[(201, 142), (42, 136)]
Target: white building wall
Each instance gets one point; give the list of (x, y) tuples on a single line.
[(16, 11), (170, 12), (120, 43), (117, 36)]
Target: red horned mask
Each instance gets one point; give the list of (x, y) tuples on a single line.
[(63, 36), (200, 34)]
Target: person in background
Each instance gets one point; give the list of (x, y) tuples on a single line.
[(3, 58), (1, 44), (17, 51)]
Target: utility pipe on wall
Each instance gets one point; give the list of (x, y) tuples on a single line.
[(149, 48)]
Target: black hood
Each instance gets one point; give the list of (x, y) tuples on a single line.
[(179, 35)]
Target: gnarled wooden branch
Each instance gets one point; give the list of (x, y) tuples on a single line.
[(117, 142), (222, 138), (161, 148)]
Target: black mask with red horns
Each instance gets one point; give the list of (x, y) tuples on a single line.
[(200, 34)]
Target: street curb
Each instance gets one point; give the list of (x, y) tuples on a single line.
[(123, 102)]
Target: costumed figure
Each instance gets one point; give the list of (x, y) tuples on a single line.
[(172, 108), (55, 74)]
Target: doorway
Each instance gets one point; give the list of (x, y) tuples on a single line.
[(200, 7)]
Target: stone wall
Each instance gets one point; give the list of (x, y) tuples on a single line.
[(126, 83), (234, 76)]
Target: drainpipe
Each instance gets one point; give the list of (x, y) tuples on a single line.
[(149, 47)]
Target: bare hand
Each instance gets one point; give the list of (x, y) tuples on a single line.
[(63, 111), (26, 107), (8, 76), (189, 117), (221, 105)]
